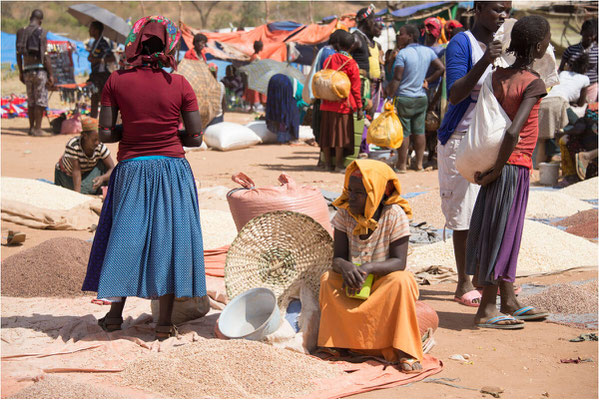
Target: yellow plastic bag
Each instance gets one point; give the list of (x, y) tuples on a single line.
[(386, 129), (331, 84)]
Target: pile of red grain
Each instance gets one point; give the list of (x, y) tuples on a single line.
[(54, 268), (583, 223)]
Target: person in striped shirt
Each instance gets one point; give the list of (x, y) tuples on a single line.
[(86, 163), (588, 45), (372, 232)]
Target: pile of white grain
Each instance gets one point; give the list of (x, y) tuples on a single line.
[(41, 194), (54, 387), (553, 204), (214, 368), (566, 298), (218, 228), (543, 249), (426, 207), (585, 190)]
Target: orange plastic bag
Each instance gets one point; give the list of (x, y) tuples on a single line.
[(330, 84), (386, 129), (248, 202)]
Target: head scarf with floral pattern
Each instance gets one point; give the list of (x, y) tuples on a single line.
[(144, 29)]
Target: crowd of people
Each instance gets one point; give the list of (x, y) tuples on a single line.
[(161, 255)]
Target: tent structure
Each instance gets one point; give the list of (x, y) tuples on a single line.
[(9, 55), (276, 37), (418, 13)]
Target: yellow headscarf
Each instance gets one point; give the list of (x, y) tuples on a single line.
[(377, 177)]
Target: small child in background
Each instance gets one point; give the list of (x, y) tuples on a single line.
[(86, 163), (498, 217), (337, 122)]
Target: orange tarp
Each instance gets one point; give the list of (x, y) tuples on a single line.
[(274, 45)]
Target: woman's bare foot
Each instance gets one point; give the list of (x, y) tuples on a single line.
[(407, 364), (487, 311), (511, 306)]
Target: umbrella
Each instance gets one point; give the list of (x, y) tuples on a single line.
[(259, 73), (115, 28)]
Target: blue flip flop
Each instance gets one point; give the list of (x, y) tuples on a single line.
[(520, 314), (494, 323)]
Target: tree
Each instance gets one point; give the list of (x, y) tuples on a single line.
[(205, 10)]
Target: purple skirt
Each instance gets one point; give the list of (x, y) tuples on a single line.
[(496, 227)]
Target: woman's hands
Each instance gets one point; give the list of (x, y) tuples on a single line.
[(353, 275), (484, 178)]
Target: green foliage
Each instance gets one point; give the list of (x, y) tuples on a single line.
[(221, 20), (251, 14)]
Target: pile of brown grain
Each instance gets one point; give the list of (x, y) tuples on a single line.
[(54, 268), (53, 387), (566, 298), (214, 368), (583, 223)]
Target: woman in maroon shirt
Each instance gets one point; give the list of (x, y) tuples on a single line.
[(149, 241)]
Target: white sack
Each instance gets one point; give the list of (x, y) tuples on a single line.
[(260, 129), (230, 136), (479, 148)]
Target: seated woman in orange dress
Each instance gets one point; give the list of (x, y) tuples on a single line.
[(371, 237)]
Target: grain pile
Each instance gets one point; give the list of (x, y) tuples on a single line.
[(553, 204), (54, 268), (218, 228), (427, 207), (41, 194), (566, 298), (543, 249), (214, 368), (585, 190), (582, 224), (53, 387)]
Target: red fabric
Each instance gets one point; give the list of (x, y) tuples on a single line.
[(355, 99), (510, 87), (150, 102), (433, 26), (192, 55), (214, 261), (275, 47)]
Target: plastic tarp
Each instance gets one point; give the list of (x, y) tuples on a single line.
[(284, 26), (79, 55), (240, 45), (407, 11)]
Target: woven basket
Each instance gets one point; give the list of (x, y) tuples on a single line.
[(281, 251)]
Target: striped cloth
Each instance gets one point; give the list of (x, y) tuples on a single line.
[(574, 51), (392, 225), (73, 150)]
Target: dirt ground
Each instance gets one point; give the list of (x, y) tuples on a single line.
[(524, 363)]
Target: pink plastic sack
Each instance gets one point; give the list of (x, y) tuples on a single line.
[(71, 126), (248, 201)]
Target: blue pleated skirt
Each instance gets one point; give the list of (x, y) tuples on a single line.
[(149, 240)]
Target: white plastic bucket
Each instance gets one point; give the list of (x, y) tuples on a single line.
[(251, 315), (548, 173)]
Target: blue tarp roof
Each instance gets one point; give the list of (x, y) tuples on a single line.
[(283, 26), (80, 62), (407, 11)]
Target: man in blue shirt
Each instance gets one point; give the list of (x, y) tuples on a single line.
[(408, 86)]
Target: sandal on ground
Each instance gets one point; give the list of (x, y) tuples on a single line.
[(410, 362), (164, 332), (494, 323), (15, 238), (468, 298), (520, 314), (110, 324)]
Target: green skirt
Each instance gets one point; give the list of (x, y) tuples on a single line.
[(87, 184)]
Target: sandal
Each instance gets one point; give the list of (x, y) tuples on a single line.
[(410, 362), (15, 238), (164, 332), (110, 324)]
